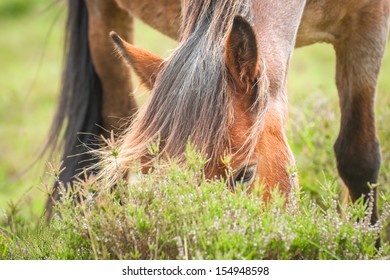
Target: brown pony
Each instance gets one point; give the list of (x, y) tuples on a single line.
[(224, 88)]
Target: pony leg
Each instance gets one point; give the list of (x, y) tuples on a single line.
[(118, 102), (359, 58), (163, 15)]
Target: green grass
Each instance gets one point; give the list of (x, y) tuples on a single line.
[(31, 49)]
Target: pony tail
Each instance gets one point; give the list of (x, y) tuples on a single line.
[(78, 115)]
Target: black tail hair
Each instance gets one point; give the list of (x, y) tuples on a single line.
[(78, 114)]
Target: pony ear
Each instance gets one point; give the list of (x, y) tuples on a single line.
[(144, 63), (241, 53)]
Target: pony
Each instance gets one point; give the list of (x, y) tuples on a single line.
[(224, 87)]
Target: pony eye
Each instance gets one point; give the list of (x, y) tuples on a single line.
[(246, 175)]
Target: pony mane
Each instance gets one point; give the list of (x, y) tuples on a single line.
[(191, 99)]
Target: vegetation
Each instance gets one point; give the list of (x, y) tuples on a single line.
[(174, 213)]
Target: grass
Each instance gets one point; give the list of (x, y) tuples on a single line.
[(160, 219)]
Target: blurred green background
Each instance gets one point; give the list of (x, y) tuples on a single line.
[(31, 59)]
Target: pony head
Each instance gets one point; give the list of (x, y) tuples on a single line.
[(213, 92)]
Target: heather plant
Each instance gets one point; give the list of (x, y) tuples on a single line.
[(173, 213)]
